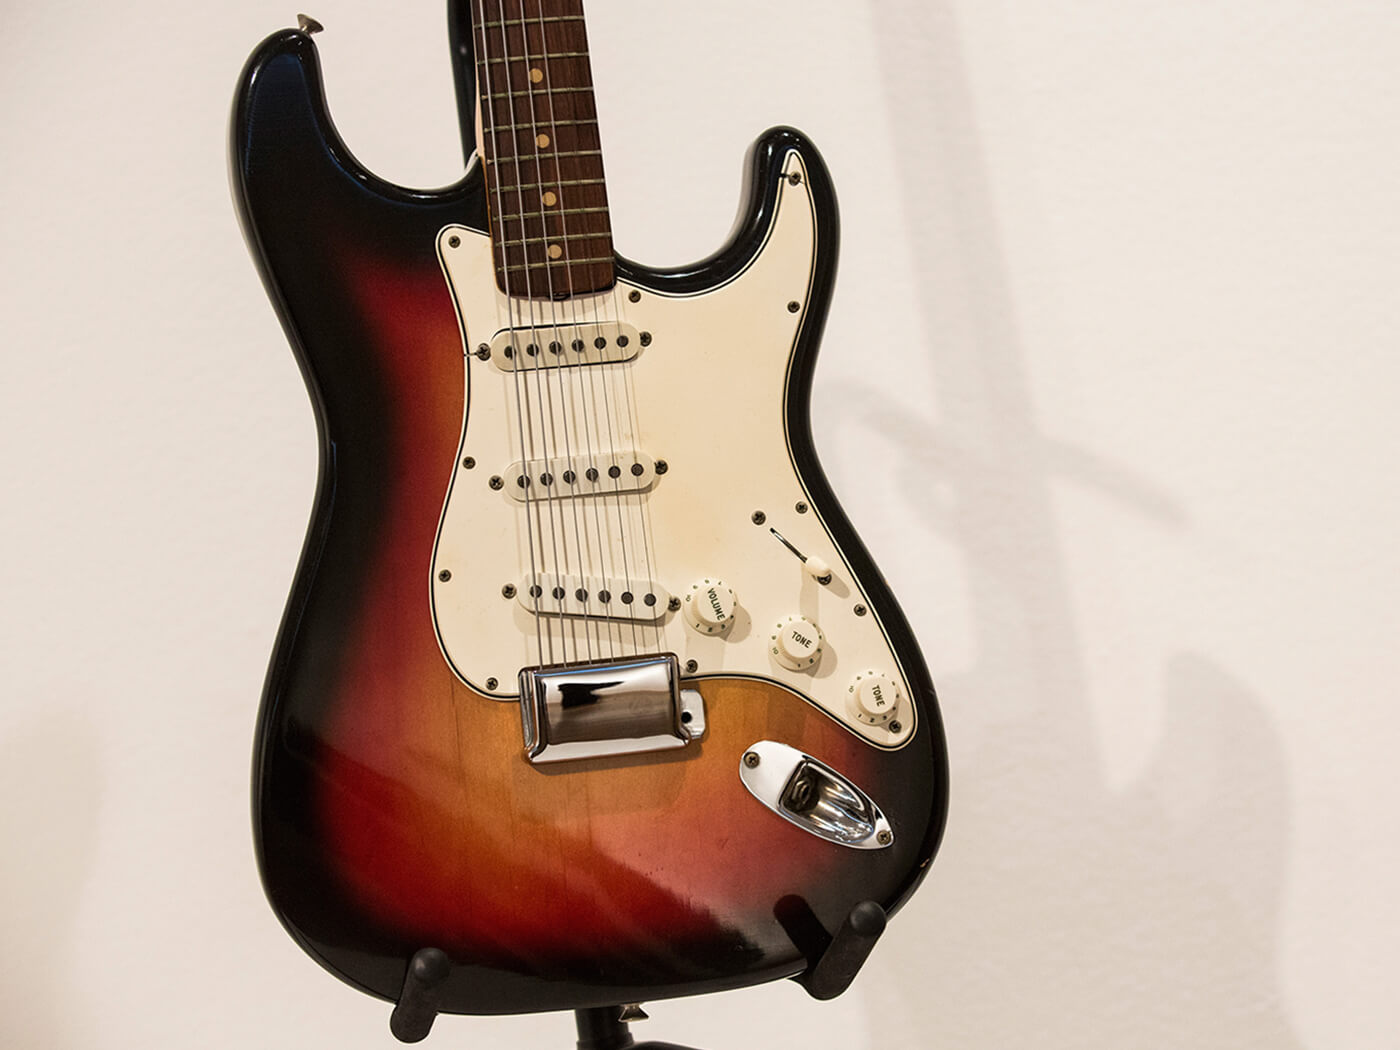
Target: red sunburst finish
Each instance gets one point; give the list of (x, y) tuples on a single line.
[(394, 807)]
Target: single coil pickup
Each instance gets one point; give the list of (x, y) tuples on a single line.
[(564, 477), (564, 346), (637, 600)]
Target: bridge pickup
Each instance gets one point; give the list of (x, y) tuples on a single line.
[(564, 345), (594, 597), (613, 473)]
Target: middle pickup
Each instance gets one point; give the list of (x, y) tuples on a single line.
[(610, 473), (565, 345)]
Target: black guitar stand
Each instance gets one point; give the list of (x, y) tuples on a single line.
[(833, 964)]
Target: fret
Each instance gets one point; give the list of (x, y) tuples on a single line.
[(539, 58), (542, 124), (498, 96), (539, 157), (530, 21), (594, 261), (553, 183), (548, 212), (552, 240)]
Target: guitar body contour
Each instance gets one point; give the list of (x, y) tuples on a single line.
[(395, 808)]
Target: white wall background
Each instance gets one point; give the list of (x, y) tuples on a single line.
[(1110, 386)]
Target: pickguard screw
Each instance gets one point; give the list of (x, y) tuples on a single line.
[(454, 242), (646, 339), (483, 352), (662, 466), (497, 484), (759, 517), (469, 463), (794, 306), (445, 575), (795, 178), (691, 667), (860, 610), (752, 760), (801, 507), (636, 296), (491, 683), (674, 605), (508, 591), (896, 727), (884, 838)]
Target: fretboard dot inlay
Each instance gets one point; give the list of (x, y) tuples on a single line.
[(536, 75), (556, 252), (542, 141), (550, 199)]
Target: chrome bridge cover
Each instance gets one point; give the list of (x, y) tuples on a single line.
[(605, 708)]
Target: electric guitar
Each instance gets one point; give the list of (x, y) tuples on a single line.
[(585, 679)]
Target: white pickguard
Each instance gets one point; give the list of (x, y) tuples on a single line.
[(706, 398)]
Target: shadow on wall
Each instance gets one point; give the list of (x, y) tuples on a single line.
[(51, 780), (1064, 913)]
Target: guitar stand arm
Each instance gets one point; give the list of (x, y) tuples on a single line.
[(839, 958), (834, 962)]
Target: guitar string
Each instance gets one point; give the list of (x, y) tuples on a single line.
[(601, 373), (601, 624), (547, 426), (604, 375), (489, 146), (543, 397), (558, 413), (635, 505)]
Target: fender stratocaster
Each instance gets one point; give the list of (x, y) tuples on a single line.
[(585, 679)]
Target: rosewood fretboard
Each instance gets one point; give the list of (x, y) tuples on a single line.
[(543, 161)]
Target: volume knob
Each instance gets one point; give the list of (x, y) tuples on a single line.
[(796, 643), (709, 607)]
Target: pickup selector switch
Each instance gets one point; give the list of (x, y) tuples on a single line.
[(709, 607), (797, 643), (874, 698)]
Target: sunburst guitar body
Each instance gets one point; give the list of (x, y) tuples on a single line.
[(585, 680)]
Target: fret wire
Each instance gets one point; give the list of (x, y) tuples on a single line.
[(531, 21), (538, 124), (595, 261), (551, 91), (540, 58), (553, 183), (552, 211), (543, 157), (555, 239)]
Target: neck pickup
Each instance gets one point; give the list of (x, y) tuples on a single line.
[(550, 228)]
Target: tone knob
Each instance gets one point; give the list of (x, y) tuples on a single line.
[(797, 643), (709, 607), (874, 698)]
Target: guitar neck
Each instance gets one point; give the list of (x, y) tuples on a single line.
[(543, 161)]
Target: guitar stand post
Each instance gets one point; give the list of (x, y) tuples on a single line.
[(835, 960)]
